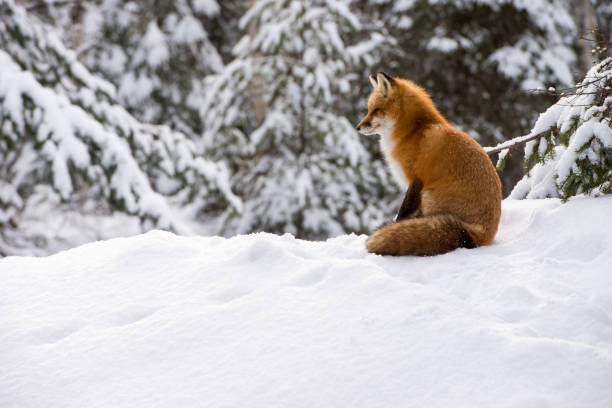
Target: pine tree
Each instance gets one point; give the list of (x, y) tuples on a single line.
[(479, 59), (477, 56), (577, 157), (156, 53), (61, 126), (277, 115)]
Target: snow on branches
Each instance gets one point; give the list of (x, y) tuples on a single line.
[(276, 114), (61, 126), (577, 158), (156, 53)]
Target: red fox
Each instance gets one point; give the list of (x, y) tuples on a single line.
[(454, 193)]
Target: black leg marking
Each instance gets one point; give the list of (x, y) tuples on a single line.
[(412, 200)]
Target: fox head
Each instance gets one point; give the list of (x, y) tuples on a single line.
[(380, 118)]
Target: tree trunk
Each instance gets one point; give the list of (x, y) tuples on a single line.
[(257, 84), (586, 24)]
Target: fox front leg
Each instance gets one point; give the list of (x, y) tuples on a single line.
[(412, 201)]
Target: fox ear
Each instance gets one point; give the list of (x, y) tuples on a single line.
[(373, 81), (385, 82)]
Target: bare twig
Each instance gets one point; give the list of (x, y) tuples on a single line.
[(568, 91)]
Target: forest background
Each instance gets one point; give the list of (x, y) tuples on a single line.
[(227, 117)]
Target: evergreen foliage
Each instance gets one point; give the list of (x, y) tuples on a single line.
[(577, 158), (478, 59), (276, 116), (269, 91), (156, 53), (61, 125)]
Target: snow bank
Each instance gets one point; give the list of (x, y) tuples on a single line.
[(261, 320)]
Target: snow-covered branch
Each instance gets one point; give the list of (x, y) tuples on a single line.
[(517, 141)]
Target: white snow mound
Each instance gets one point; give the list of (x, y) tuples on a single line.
[(160, 320)]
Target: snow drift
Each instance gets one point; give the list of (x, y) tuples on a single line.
[(159, 320)]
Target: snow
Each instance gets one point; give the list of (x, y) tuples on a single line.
[(63, 121), (527, 59), (154, 49), (159, 320), (46, 225), (189, 30), (136, 89), (584, 123), (298, 63), (208, 7), (443, 44), (62, 126), (540, 183)]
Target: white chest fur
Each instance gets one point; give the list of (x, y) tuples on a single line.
[(387, 146)]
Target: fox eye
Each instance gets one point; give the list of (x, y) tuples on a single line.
[(376, 110)]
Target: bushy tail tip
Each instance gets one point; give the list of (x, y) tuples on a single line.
[(424, 236)]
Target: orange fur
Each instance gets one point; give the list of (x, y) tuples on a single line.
[(460, 200)]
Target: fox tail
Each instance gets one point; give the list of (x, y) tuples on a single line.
[(423, 236)]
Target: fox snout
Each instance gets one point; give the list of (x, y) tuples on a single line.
[(371, 124), (365, 125), (362, 125)]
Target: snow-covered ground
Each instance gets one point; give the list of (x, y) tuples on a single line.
[(46, 225), (159, 320)]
